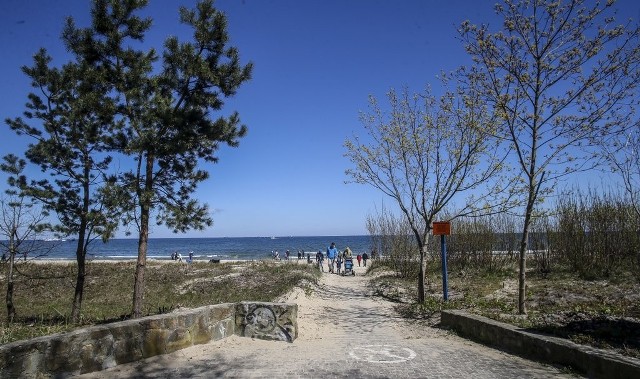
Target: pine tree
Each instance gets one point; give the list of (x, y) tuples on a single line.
[(166, 106), (72, 118)]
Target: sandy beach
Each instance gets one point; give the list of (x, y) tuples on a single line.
[(162, 261), (112, 261)]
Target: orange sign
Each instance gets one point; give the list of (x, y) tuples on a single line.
[(441, 228)]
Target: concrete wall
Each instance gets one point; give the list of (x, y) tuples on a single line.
[(269, 321), (595, 363), (99, 347)]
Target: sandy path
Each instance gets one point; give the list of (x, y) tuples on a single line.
[(344, 306), (343, 331)]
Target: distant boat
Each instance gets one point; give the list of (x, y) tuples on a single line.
[(273, 238), (55, 240)]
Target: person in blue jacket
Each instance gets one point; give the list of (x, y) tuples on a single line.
[(332, 253)]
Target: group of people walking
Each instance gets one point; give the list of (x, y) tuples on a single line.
[(275, 255), (336, 258), (175, 256)]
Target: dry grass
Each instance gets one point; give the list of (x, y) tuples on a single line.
[(603, 313), (44, 292)]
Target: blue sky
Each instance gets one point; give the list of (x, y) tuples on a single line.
[(316, 62)]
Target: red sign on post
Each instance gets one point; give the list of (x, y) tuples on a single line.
[(442, 228)]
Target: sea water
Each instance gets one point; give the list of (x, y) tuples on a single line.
[(243, 248)]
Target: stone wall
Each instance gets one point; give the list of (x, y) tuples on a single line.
[(594, 363), (99, 347)]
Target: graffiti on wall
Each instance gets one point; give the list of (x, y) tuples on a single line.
[(268, 321)]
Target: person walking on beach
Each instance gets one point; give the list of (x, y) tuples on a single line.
[(359, 259), (339, 262), (332, 253), (365, 256), (320, 260)]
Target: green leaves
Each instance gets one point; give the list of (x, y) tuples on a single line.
[(115, 101), (426, 152), (69, 117), (163, 116), (561, 79)]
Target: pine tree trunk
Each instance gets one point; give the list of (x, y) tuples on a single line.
[(80, 278), (81, 254), (138, 287), (143, 239)]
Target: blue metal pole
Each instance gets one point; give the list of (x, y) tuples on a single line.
[(443, 245)]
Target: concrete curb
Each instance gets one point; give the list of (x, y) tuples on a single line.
[(595, 363)]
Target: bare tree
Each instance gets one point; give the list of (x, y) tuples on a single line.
[(20, 222), (392, 234), (424, 152), (623, 154), (559, 75)]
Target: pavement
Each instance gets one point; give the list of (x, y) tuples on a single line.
[(344, 332)]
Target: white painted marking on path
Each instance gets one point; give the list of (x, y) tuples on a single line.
[(382, 353)]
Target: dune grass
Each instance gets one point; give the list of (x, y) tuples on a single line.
[(44, 292), (600, 313)]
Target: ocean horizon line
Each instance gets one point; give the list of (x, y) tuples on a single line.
[(240, 248), (269, 236), (71, 238)]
